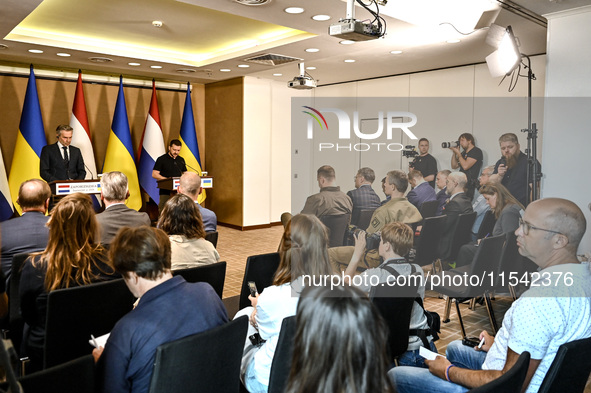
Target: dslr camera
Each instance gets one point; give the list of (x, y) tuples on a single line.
[(447, 145), (409, 151), (372, 242)]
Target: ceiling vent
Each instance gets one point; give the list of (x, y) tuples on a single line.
[(100, 59), (272, 59), (186, 70), (253, 2)]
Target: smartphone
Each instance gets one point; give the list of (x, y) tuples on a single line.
[(253, 289), (256, 340), (471, 341)]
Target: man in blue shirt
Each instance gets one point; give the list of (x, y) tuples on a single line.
[(169, 308), (190, 185)]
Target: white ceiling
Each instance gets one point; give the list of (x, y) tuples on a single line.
[(209, 35)]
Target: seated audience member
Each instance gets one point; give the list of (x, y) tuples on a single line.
[(114, 192), (542, 319), (339, 344), (308, 256), (73, 257), (363, 196), (181, 221), (169, 308), (330, 201), (442, 197), (395, 242), (384, 191), (480, 206), (421, 190), (27, 233), (190, 185), (507, 211), (459, 203)]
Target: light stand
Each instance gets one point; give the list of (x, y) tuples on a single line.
[(533, 173)]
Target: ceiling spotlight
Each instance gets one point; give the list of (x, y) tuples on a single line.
[(63, 54), (157, 67), (310, 68), (35, 51), (277, 74), (349, 61), (395, 52), (453, 41), (294, 10), (243, 66), (321, 18), (312, 50), (157, 23), (346, 42), (134, 64), (225, 70)]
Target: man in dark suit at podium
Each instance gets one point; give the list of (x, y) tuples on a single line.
[(60, 161), (169, 165)]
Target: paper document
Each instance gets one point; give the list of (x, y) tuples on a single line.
[(101, 341), (427, 354)]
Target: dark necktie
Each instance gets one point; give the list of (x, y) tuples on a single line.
[(66, 161)]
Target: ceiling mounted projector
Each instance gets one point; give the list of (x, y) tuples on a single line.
[(302, 81)]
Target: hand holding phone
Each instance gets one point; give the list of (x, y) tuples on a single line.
[(253, 289), (471, 341)]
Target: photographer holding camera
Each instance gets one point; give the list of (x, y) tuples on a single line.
[(469, 160), (425, 162)]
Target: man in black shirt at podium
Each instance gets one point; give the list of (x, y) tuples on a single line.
[(169, 165)]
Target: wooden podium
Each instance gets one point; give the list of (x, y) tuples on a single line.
[(172, 183)]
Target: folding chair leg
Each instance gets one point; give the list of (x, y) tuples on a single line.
[(447, 309), (460, 318), (491, 314), (512, 292), (472, 305)]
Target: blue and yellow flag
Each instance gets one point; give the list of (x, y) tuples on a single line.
[(30, 139), (190, 148), (119, 156)]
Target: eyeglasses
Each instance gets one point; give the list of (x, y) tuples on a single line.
[(526, 226)]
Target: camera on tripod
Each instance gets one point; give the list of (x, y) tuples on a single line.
[(372, 242), (409, 151), (447, 145)]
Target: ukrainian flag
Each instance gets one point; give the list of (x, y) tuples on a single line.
[(30, 139), (190, 148), (119, 156)]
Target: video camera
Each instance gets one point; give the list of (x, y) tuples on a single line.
[(372, 242), (447, 145), (409, 151)]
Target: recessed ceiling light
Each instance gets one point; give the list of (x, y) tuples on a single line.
[(312, 50), (243, 66), (35, 51), (98, 59), (155, 66), (310, 68), (454, 41), (349, 61), (346, 42), (321, 18), (157, 23), (225, 70), (63, 54), (294, 10), (277, 74), (396, 52), (134, 64)]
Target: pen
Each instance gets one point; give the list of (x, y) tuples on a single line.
[(481, 343), (96, 344)]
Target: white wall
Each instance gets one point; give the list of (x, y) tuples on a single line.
[(567, 134)]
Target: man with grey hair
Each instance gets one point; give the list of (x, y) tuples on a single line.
[(28, 232), (60, 160), (480, 206), (363, 196), (114, 192), (459, 203), (190, 185)]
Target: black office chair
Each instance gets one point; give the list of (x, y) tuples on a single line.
[(214, 274), (462, 234), (511, 261), (429, 208), (427, 250), (75, 376), (212, 237), (337, 226), (283, 354), (487, 225), (73, 314), (15, 318), (570, 368), (485, 262), (204, 362), (260, 269), (364, 219), (511, 381)]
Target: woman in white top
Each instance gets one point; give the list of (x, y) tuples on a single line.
[(304, 252), (181, 220)]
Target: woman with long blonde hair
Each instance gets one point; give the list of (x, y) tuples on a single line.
[(72, 258)]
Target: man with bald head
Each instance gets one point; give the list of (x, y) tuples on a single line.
[(28, 232), (190, 185), (555, 310)]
